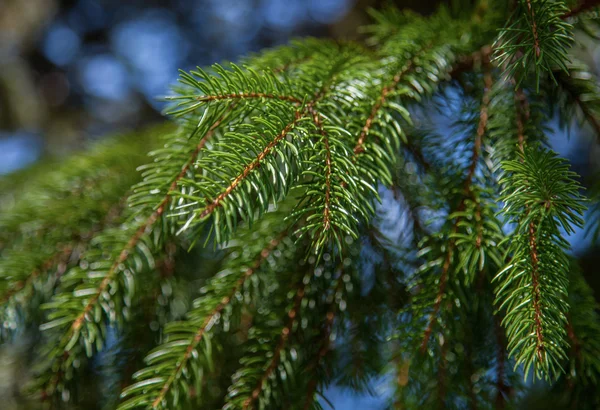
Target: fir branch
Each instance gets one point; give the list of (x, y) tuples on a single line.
[(332, 121), (358, 148), (534, 32), (71, 318), (139, 232), (327, 169), (65, 207), (534, 299), (256, 172), (537, 38), (251, 387)]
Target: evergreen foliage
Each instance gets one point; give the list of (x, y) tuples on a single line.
[(248, 260)]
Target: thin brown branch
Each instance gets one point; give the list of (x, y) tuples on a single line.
[(522, 117), (244, 96), (210, 208), (535, 283), (536, 40), (210, 318), (359, 147), (328, 167)]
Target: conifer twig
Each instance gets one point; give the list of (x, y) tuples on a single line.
[(328, 169), (210, 208), (143, 227), (522, 116), (126, 251), (244, 96), (358, 148)]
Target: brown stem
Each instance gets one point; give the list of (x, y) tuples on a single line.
[(328, 167), (536, 40), (242, 96), (522, 116), (358, 148), (536, 292)]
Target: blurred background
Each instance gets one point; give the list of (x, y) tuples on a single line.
[(76, 70)]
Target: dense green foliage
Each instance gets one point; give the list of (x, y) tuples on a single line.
[(251, 263)]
